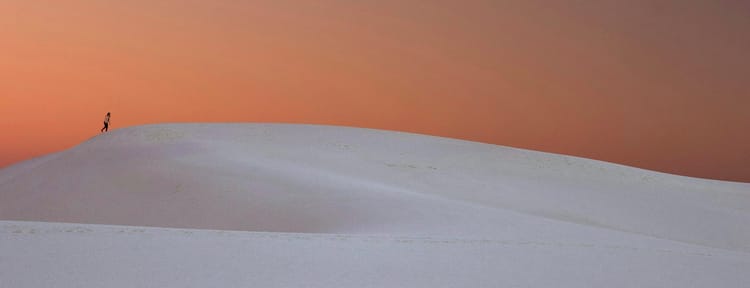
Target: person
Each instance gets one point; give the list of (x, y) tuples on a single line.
[(106, 123)]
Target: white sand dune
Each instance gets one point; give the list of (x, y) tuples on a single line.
[(323, 206)]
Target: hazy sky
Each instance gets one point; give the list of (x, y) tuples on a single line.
[(663, 85)]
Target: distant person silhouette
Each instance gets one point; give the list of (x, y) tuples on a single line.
[(106, 123)]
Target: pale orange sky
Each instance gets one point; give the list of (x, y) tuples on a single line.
[(661, 85)]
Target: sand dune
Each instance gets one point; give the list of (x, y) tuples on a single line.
[(328, 206)]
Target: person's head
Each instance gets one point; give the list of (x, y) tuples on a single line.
[(107, 113)]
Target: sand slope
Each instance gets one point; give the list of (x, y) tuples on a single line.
[(443, 213)]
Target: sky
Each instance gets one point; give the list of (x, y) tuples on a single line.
[(660, 85)]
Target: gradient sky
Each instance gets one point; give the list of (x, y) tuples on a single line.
[(662, 85)]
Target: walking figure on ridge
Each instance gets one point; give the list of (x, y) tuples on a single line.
[(106, 123)]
